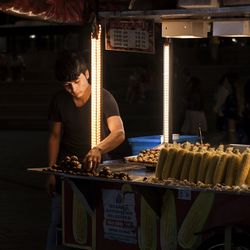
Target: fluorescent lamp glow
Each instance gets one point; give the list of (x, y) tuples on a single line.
[(32, 36), (185, 29), (166, 92), (231, 28), (96, 87)]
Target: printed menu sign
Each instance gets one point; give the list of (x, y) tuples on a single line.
[(119, 216), (133, 35)]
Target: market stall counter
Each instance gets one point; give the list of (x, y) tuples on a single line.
[(131, 209)]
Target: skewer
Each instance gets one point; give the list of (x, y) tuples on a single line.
[(200, 134)]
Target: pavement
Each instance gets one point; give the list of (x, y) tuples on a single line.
[(24, 204)]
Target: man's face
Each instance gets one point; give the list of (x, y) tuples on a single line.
[(76, 87)]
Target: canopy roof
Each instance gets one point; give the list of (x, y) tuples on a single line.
[(76, 11), (63, 11), (82, 11)]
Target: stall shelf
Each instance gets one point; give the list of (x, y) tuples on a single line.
[(158, 15)]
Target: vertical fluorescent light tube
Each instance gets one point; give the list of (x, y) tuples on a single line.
[(96, 86), (166, 92)]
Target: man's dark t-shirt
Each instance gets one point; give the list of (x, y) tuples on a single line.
[(76, 122)]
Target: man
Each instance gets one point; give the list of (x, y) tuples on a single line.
[(70, 130)]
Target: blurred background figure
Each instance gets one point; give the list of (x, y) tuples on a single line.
[(246, 112), (136, 86), (223, 90), (233, 108), (17, 68), (195, 115), (4, 67)]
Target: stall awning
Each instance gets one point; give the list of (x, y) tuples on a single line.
[(63, 11)]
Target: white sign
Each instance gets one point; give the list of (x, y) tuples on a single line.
[(135, 35), (119, 216)]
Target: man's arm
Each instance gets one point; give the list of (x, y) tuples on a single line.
[(53, 149), (113, 140), (115, 137)]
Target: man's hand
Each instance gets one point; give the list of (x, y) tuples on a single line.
[(92, 159), (51, 185)]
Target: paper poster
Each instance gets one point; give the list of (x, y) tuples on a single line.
[(119, 216)]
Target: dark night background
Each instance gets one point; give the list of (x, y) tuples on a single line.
[(24, 104)]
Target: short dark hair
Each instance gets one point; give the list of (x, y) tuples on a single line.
[(69, 66)]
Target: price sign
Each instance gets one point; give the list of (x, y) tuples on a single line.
[(134, 35)]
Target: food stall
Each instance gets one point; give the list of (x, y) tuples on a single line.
[(145, 202), (129, 206)]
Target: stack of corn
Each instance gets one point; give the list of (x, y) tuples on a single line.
[(202, 163)]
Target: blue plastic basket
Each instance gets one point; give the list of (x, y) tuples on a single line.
[(145, 142)]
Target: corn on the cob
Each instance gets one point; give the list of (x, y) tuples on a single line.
[(220, 169), (203, 166), (232, 168), (148, 227), (248, 178), (169, 162), (243, 169), (211, 168), (193, 172), (186, 165), (178, 163), (248, 175), (195, 220), (168, 222), (160, 164), (80, 221)]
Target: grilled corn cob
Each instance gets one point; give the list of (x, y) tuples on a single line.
[(161, 161), (211, 168), (232, 169), (206, 157), (186, 165), (169, 162), (248, 178), (220, 169), (193, 172), (178, 163), (243, 170)]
